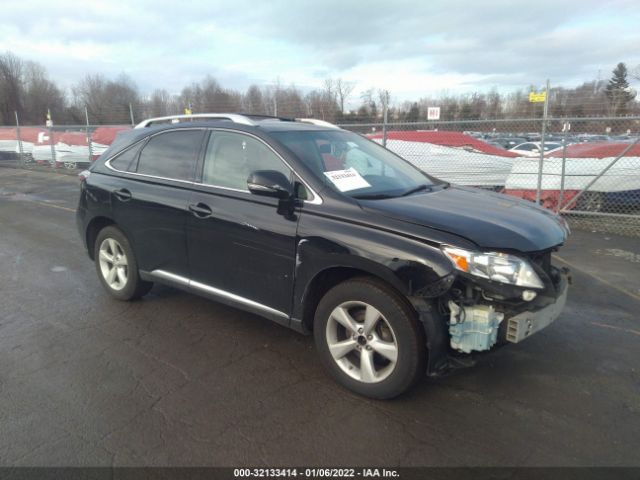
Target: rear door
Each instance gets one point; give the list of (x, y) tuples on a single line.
[(240, 248), (150, 202)]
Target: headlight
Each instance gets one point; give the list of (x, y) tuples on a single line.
[(500, 267)]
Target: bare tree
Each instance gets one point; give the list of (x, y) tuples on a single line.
[(107, 101), (41, 95), (161, 104), (11, 87), (253, 101), (343, 90)]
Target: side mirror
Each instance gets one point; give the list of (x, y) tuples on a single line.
[(269, 183)]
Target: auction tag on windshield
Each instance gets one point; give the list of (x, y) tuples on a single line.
[(346, 180)]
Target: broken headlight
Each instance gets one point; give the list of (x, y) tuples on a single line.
[(499, 267)]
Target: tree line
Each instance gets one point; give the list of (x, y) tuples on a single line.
[(26, 88)]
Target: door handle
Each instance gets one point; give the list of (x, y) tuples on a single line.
[(123, 194), (201, 210)]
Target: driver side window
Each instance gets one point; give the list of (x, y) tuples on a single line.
[(231, 157)]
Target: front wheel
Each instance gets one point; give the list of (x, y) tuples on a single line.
[(369, 338), (117, 266)]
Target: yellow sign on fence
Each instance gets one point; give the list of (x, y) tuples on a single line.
[(537, 97)]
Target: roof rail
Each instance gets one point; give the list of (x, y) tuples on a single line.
[(234, 117), (315, 121)]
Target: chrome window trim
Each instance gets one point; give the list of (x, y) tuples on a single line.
[(107, 163), (198, 184), (187, 282), (317, 199)]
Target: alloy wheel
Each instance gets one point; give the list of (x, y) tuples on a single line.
[(114, 265), (362, 342)]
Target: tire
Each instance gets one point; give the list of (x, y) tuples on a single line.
[(117, 267), (352, 355)]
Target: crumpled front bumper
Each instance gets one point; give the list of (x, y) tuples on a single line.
[(516, 326), (527, 323)]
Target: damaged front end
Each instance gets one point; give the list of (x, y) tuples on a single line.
[(493, 299)]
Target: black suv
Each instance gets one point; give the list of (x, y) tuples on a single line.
[(396, 273)]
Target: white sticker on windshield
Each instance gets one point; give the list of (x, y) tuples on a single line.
[(346, 180)]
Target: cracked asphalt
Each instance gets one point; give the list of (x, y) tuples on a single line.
[(176, 380)]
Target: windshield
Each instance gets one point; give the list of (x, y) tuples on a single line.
[(551, 146), (353, 165)]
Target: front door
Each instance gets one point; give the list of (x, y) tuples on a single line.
[(240, 249)]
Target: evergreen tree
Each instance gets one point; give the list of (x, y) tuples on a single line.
[(618, 91), (413, 114)]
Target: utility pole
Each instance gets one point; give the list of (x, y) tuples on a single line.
[(544, 131)]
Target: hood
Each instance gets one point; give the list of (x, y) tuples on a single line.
[(490, 220)]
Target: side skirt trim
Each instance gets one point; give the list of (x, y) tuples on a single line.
[(218, 293)]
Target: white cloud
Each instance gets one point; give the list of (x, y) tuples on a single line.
[(413, 48)]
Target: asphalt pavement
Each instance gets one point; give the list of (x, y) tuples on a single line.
[(177, 380)]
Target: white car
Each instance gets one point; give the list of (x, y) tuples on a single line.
[(532, 149)]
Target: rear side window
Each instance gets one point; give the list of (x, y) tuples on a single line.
[(125, 162), (171, 155)]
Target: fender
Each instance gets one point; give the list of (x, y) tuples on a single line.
[(410, 266)]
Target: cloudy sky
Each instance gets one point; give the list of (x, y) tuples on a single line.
[(414, 48)]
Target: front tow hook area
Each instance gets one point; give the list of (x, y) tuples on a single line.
[(525, 324)]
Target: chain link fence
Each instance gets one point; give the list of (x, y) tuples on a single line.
[(66, 147), (588, 169)]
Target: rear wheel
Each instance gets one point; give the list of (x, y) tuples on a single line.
[(369, 339), (117, 267)]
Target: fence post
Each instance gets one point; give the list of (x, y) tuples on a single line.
[(53, 148), (544, 131), (86, 116), (565, 128), (133, 123), (20, 146), (385, 113)]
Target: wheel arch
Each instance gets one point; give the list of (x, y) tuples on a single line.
[(93, 229), (326, 279)]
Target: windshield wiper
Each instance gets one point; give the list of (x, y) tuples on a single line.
[(373, 196), (417, 189)]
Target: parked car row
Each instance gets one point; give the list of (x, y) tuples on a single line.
[(511, 140)]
